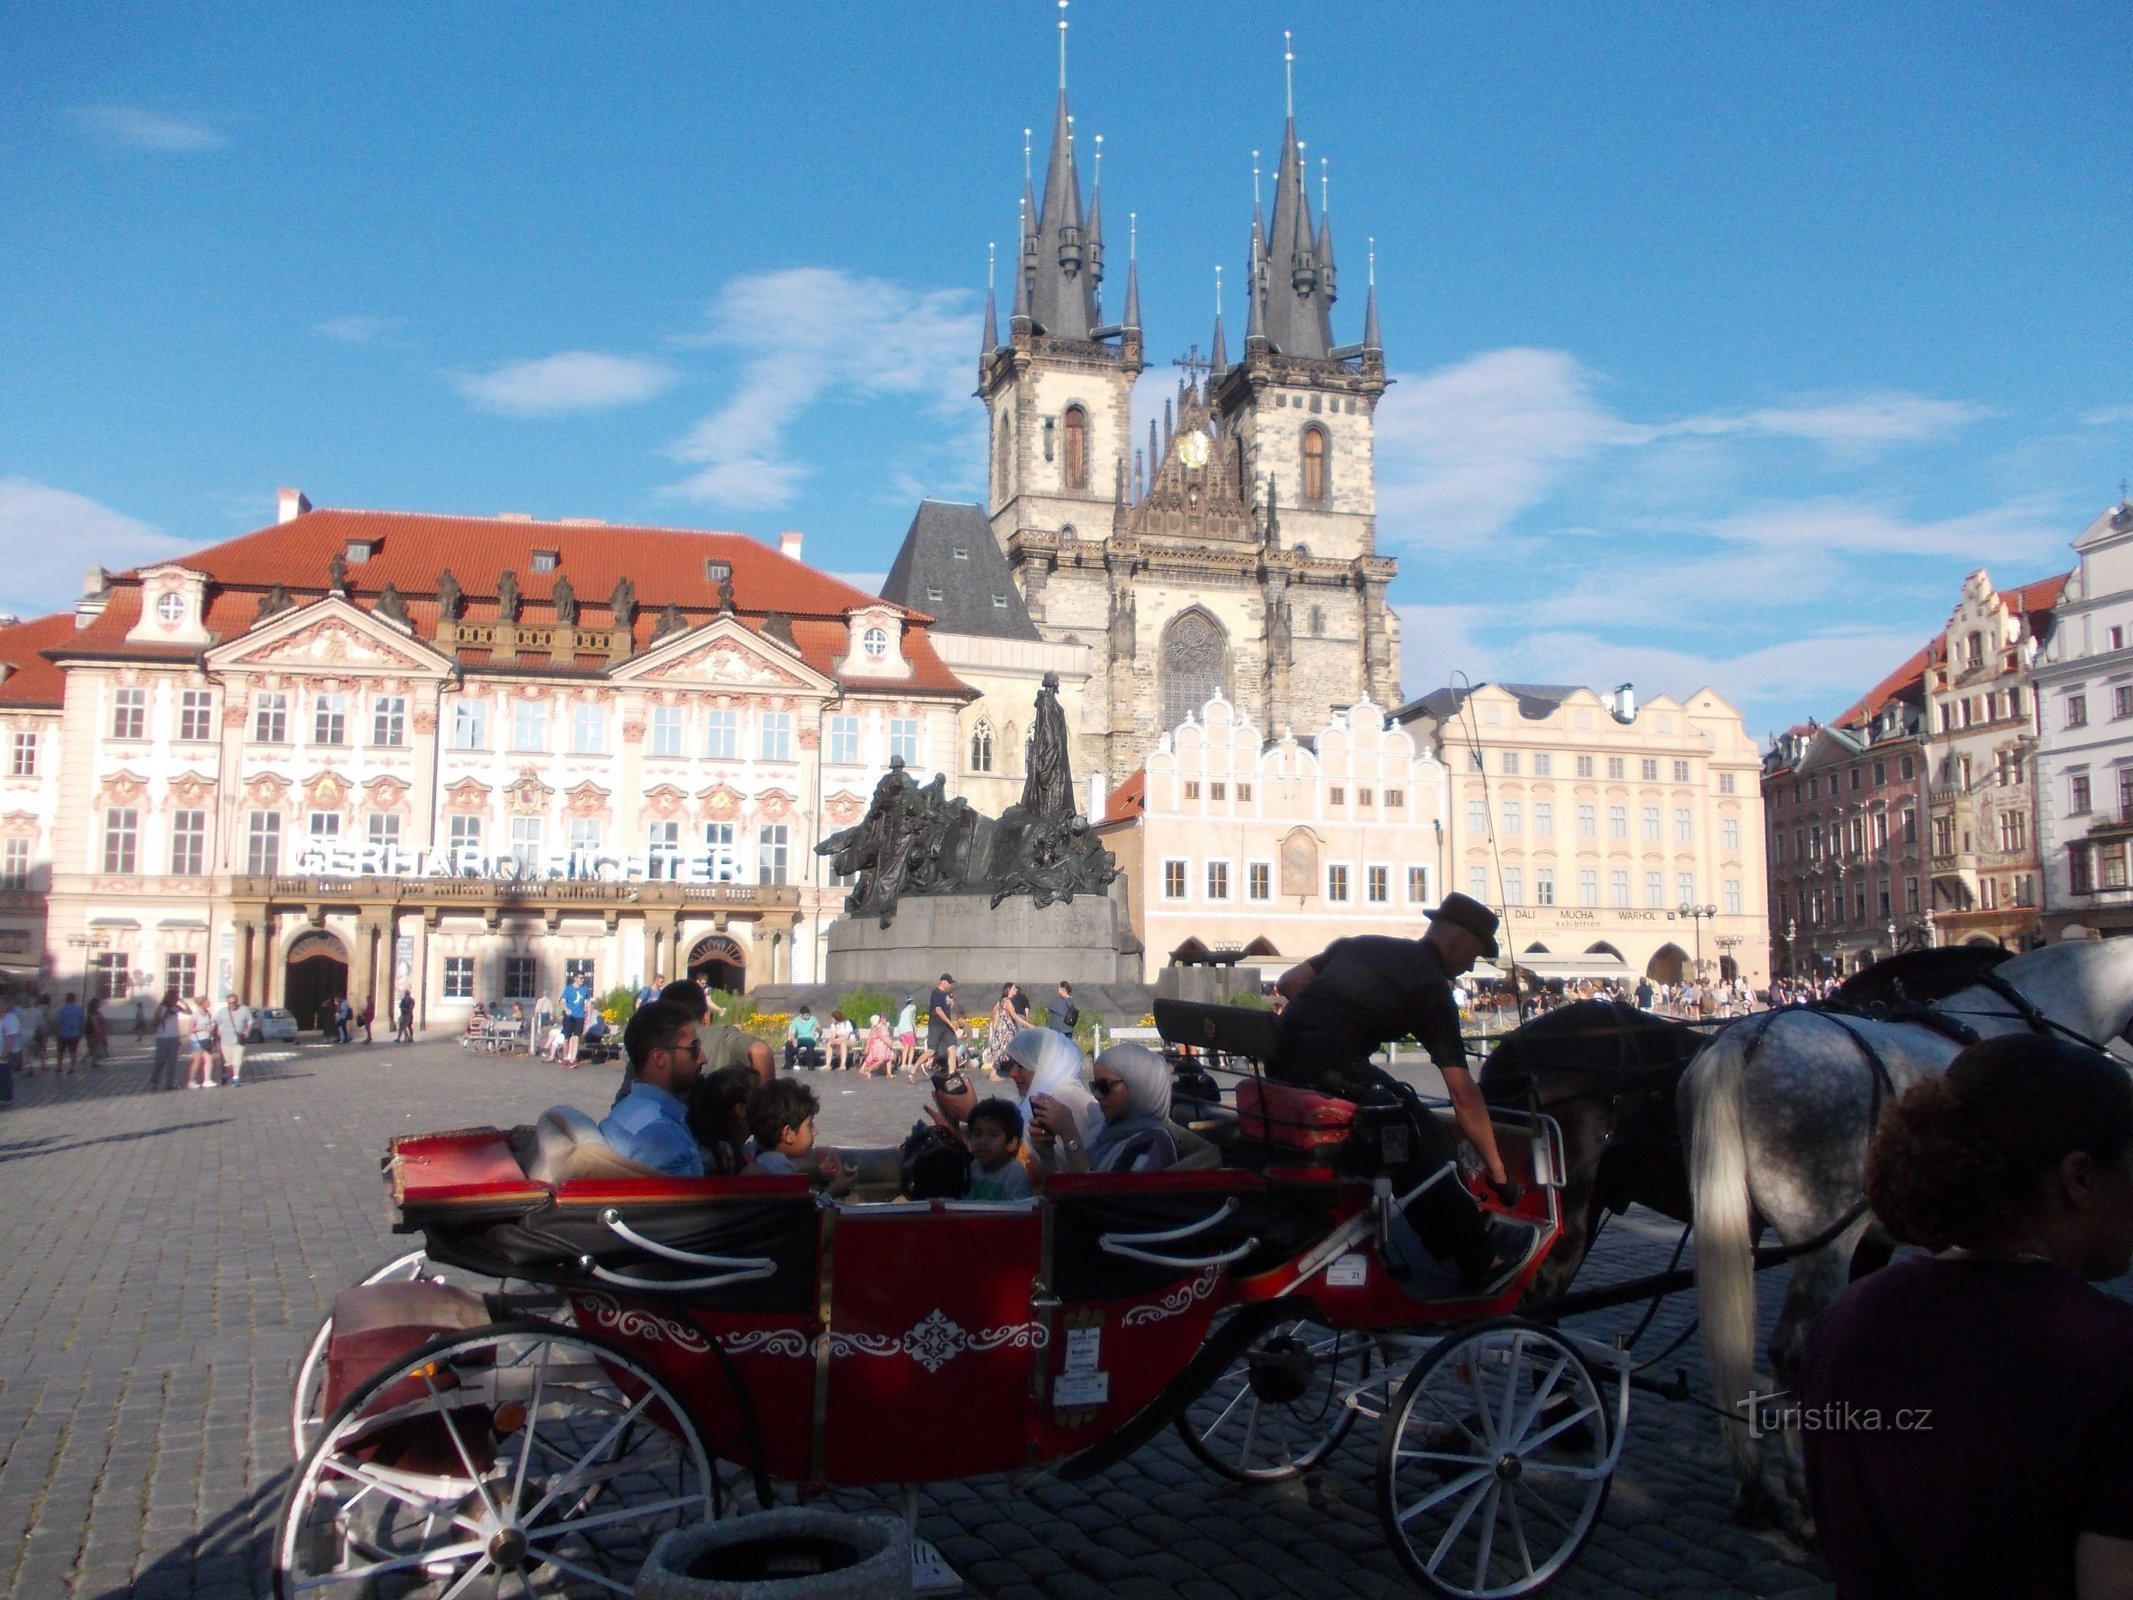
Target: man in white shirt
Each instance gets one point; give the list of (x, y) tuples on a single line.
[(233, 1024)]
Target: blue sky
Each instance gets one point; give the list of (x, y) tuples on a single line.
[(1727, 337)]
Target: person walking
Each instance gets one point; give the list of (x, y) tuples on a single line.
[(576, 998), (10, 1050), (406, 1031), (99, 1034), (233, 1023), (200, 1071), (169, 1018), (370, 1015), (69, 1022), (943, 1034)]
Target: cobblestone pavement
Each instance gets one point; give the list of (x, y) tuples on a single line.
[(171, 1254)]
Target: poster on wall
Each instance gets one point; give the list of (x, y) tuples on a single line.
[(404, 964), (226, 962)]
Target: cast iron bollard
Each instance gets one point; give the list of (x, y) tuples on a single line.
[(790, 1553)]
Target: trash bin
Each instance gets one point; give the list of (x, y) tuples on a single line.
[(790, 1553)]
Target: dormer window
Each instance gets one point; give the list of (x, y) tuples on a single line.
[(962, 552), (546, 560), (933, 597), (717, 571), (875, 642), (360, 551), (999, 602)]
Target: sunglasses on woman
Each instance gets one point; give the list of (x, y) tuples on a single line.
[(1105, 1085)]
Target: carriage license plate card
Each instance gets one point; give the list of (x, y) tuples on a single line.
[(1348, 1271), (1081, 1382)]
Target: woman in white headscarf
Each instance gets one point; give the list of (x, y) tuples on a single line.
[(1132, 1086), (1060, 1115)]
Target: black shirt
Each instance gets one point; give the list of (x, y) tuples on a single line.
[(1369, 990), (1964, 1422)]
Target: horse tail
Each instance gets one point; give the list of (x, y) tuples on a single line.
[(1725, 1268)]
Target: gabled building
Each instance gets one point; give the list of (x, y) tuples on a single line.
[(1981, 809), (460, 757), (1844, 804)]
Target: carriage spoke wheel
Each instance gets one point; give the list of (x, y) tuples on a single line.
[(519, 1459), (307, 1411), (1281, 1408), (1494, 1464)]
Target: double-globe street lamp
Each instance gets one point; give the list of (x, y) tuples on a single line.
[(1700, 914)]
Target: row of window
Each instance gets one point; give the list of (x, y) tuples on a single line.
[(1808, 844), (2013, 829), (1543, 766), (1513, 816), (1588, 889), (2074, 709), (525, 844), (521, 977), (1811, 788), (1820, 908), (1259, 882), (2078, 799), (1972, 710), (196, 714)]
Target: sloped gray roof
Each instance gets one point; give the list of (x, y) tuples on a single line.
[(1535, 700), (950, 568)]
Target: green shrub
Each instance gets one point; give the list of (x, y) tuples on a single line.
[(861, 1004), (733, 1008)]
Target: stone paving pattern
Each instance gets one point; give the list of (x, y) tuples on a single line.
[(171, 1254)]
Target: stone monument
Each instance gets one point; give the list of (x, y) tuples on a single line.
[(940, 888)]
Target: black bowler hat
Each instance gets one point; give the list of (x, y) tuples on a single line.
[(1463, 911)]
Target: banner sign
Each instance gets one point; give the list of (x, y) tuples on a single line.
[(715, 865)]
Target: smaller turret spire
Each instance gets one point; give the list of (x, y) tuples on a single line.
[(1218, 362), (1288, 66), (1062, 45), (991, 338), (1371, 341), (1133, 271)]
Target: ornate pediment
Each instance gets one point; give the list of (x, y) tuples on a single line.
[(845, 808), (327, 791), (775, 804), (721, 801), (266, 790), (467, 797), (334, 635), (665, 802), (385, 794), (122, 788), (191, 788), (588, 799), (527, 795), (724, 653)]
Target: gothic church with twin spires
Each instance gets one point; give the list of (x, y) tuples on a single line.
[(1234, 552)]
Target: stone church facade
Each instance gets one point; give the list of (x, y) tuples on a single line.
[(1233, 555)]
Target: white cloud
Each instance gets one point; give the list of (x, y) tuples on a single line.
[(2107, 416), (358, 330), (51, 535), (131, 128), (1866, 423), (574, 380), (1439, 641), (2019, 530), (809, 334), (1462, 451)]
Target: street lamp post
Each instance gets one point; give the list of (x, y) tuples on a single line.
[(1792, 960), (1891, 930), (1700, 914)]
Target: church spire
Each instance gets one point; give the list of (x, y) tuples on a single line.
[(1371, 341), (1297, 312), (1063, 266)]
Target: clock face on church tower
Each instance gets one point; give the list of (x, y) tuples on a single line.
[(1192, 449)]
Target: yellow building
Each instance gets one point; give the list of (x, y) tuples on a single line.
[(1618, 840)]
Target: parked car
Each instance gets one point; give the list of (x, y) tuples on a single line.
[(272, 1022)]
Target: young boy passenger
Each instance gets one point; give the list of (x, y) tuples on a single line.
[(996, 1170), (781, 1116)]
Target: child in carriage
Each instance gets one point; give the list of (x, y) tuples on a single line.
[(995, 1138), (781, 1116)]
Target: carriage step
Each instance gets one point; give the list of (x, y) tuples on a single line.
[(930, 1572)]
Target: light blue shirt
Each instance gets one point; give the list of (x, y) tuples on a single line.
[(651, 1126), (574, 997)]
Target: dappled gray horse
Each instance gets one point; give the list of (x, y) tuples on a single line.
[(1777, 1112)]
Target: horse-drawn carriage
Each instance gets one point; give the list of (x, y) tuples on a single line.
[(578, 1361)]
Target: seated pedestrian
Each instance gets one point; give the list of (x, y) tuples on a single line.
[(781, 1118), (995, 1138), (800, 1040), (837, 1041), (1132, 1085), (1968, 1417), (880, 1054)]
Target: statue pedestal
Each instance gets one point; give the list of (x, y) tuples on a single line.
[(1086, 940)]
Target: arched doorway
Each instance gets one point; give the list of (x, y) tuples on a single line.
[(1667, 964), (1728, 969), (718, 962), (317, 972)]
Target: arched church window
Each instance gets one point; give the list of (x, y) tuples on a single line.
[(981, 747), (1195, 666), (999, 470), (1315, 451), (1318, 621), (1076, 464)]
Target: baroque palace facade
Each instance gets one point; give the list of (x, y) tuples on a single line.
[(373, 752)]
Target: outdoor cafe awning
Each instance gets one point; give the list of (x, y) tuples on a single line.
[(1588, 966)]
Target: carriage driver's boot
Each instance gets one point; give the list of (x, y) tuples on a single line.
[(1487, 1251)]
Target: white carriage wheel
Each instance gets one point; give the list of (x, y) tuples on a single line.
[(307, 1407), (553, 1461), (1494, 1464), (1281, 1408)]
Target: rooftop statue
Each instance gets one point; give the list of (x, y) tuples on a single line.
[(914, 840)]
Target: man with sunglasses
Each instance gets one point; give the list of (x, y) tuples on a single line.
[(650, 1124)]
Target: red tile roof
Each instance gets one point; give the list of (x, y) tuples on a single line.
[(32, 680), (1129, 799), (2043, 595), (1908, 676), (411, 550)]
